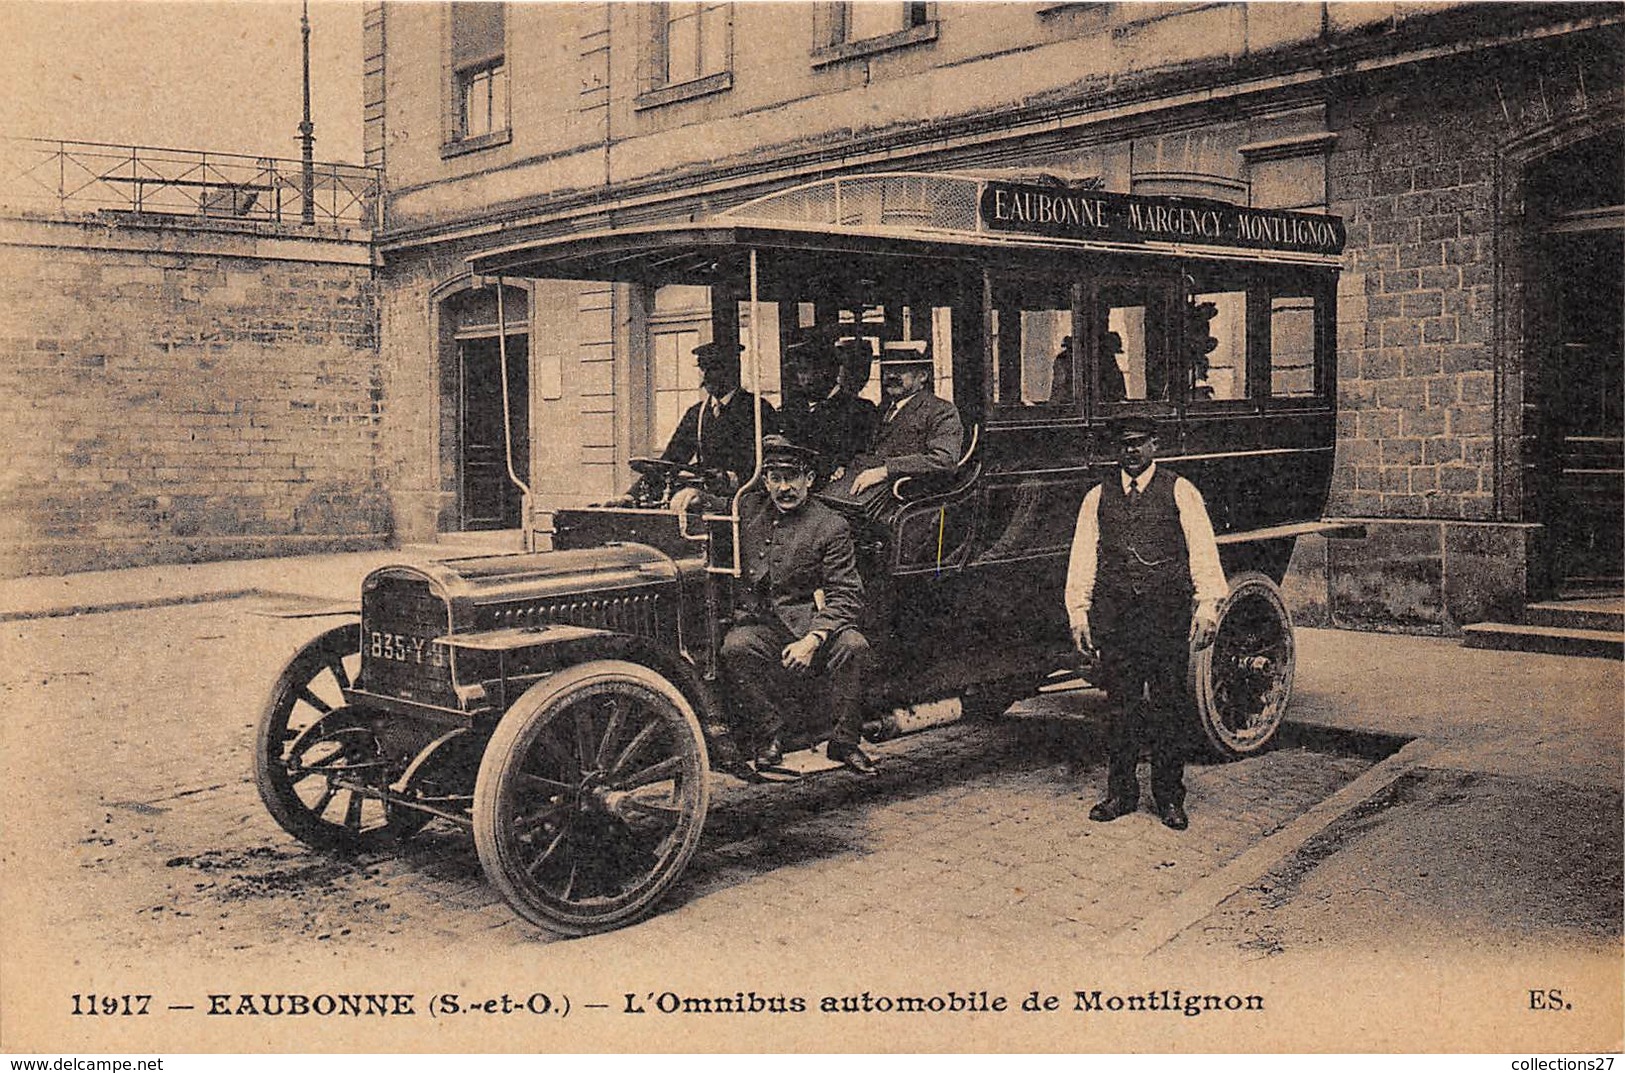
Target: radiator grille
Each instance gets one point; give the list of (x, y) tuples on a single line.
[(401, 618), (636, 614)]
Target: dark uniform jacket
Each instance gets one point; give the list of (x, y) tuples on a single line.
[(724, 440), (837, 427), (1143, 580), (925, 436), (786, 558)]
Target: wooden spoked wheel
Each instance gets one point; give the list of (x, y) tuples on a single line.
[(317, 761), (591, 797), (1243, 681)]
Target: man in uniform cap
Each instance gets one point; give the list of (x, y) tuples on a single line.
[(817, 413), (918, 433), (796, 612), (1144, 584), (719, 431)]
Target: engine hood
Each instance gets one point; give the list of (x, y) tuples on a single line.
[(467, 584)]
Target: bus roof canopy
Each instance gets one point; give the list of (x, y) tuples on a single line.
[(939, 216)]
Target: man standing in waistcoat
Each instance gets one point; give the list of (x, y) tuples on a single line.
[(1143, 585)]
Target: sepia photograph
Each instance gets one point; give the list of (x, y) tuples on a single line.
[(842, 526)]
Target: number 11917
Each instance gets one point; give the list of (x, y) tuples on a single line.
[(111, 1005)]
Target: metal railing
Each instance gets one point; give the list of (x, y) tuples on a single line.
[(66, 178)]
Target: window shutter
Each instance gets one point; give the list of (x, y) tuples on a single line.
[(476, 33)]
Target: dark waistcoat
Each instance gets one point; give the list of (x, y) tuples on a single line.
[(1143, 569)]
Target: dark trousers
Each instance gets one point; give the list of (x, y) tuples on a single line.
[(761, 685), (1144, 675)]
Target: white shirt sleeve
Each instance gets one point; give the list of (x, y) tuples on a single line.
[(1080, 570), (1207, 575)]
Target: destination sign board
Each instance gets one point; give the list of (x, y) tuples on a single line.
[(1058, 212)]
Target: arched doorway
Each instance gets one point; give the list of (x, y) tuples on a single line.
[(472, 409), (1574, 347)]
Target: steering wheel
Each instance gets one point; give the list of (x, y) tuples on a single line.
[(668, 472), (660, 479)]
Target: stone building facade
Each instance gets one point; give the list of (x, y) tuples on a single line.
[(1472, 149)]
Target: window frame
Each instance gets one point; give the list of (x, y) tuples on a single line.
[(1171, 293), (1227, 279), (1322, 291), (655, 85), (1018, 412), (832, 27), (686, 313), (458, 78)]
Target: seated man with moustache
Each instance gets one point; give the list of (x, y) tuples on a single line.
[(795, 636)]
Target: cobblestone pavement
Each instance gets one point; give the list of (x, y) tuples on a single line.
[(137, 728)]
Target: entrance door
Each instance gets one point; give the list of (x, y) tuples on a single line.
[(1583, 401), (489, 498), (1577, 303)]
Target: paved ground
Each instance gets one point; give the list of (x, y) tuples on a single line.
[(982, 823), (1436, 883)]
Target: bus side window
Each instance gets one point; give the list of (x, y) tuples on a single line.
[(1133, 342), (1035, 363), (1292, 346), (1216, 346)]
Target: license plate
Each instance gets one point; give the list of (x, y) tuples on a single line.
[(405, 648)]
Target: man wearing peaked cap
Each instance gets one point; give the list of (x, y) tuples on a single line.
[(719, 431), (795, 636), (918, 432), (817, 412), (1143, 585)]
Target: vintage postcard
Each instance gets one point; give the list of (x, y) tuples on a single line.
[(812, 527)]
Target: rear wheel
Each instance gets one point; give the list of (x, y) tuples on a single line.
[(316, 759), (1243, 681), (591, 797)]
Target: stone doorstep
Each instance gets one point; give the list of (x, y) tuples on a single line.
[(1554, 640), (1600, 614)]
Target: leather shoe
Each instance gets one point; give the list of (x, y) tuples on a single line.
[(1111, 808), (771, 754), (1174, 816), (852, 758)]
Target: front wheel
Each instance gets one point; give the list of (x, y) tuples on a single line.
[(317, 762), (1242, 682), (591, 797)]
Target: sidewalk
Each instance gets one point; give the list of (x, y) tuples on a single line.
[(1495, 827), (335, 577)]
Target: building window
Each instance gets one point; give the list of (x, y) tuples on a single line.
[(865, 20), (690, 52), (479, 77), (483, 93), (848, 29)]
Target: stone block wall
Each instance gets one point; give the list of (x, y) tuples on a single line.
[(172, 396), (1416, 366), (1427, 172)]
